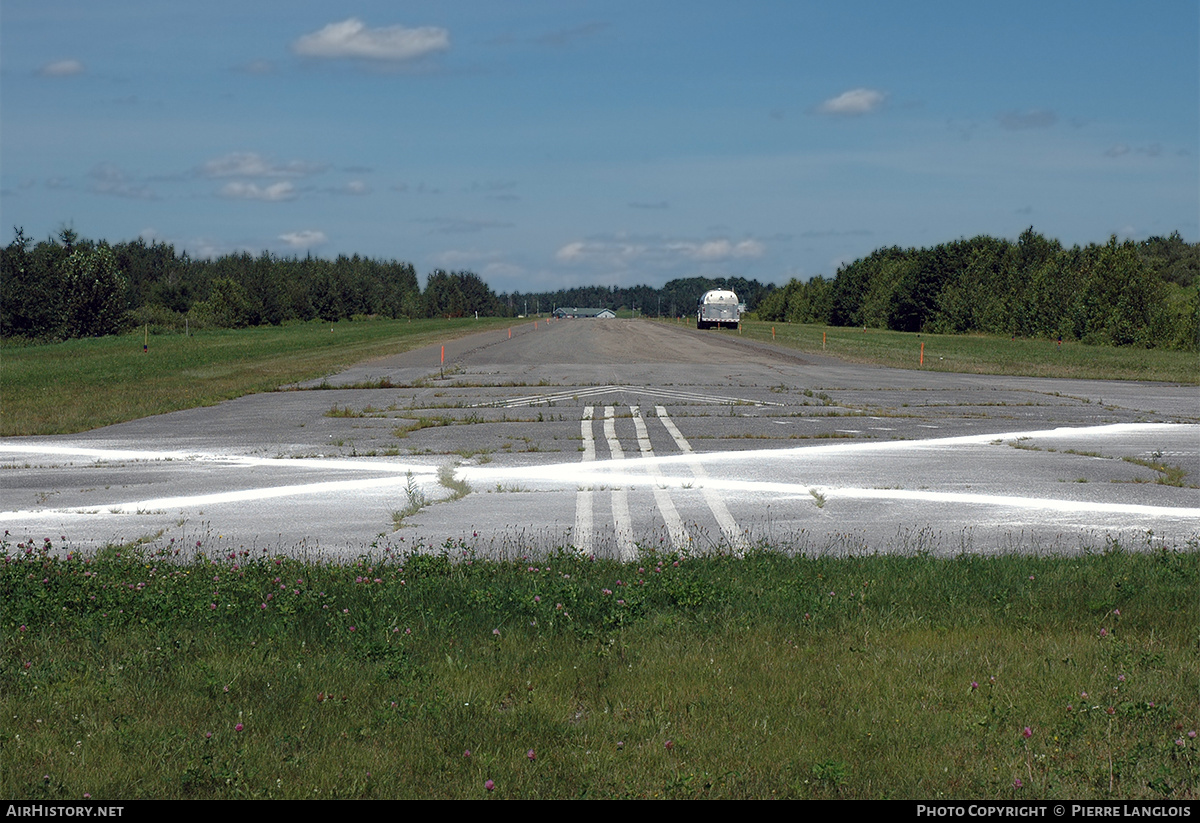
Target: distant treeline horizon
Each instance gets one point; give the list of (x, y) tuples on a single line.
[(1118, 293)]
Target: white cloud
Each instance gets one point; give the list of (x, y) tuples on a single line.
[(1031, 119), (304, 239), (721, 249), (351, 38), (461, 225), (108, 178), (1117, 150), (853, 102), (237, 190), (258, 67), (250, 164), (61, 68), (624, 251), (356, 187)]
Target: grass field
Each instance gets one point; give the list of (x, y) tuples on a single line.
[(136, 673), (982, 354), (42, 385)]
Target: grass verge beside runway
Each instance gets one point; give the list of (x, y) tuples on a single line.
[(61, 388), (981, 354), (131, 674)]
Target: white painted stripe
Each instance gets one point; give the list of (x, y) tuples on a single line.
[(679, 535), (622, 522), (653, 391), (724, 519), (361, 464), (583, 497)]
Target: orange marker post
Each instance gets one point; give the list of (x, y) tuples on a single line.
[(772, 332), (922, 354)]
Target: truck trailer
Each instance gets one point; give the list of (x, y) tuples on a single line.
[(717, 308)]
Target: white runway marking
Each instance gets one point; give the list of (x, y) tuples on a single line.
[(653, 391), (622, 522), (716, 504), (679, 536), (583, 497), (676, 472)]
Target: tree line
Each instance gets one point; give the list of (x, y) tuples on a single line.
[(1122, 294), (1138, 294), (68, 286)]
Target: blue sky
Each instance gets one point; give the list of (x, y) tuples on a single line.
[(553, 144)]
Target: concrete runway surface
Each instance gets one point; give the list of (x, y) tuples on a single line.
[(613, 435)]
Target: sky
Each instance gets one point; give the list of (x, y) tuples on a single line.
[(546, 145)]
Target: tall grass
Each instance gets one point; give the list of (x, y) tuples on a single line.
[(981, 353), (143, 672), (42, 385)]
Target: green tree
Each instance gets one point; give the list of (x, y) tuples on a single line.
[(93, 293)]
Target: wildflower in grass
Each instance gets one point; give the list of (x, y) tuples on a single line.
[(496, 632), (1180, 742), (974, 685), (1017, 783), (489, 785), (467, 753), (1028, 733), (208, 735), (620, 744), (531, 754), (238, 727), (1104, 632)]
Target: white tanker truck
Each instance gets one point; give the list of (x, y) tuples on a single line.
[(718, 308)]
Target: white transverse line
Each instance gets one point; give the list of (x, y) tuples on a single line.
[(679, 536), (728, 525), (583, 497), (655, 391), (622, 522)]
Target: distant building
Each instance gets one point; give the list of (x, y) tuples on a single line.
[(575, 312)]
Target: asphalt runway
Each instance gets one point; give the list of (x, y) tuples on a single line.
[(614, 436)]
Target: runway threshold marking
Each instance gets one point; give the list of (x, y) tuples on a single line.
[(622, 522), (678, 534), (715, 503), (583, 497)]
